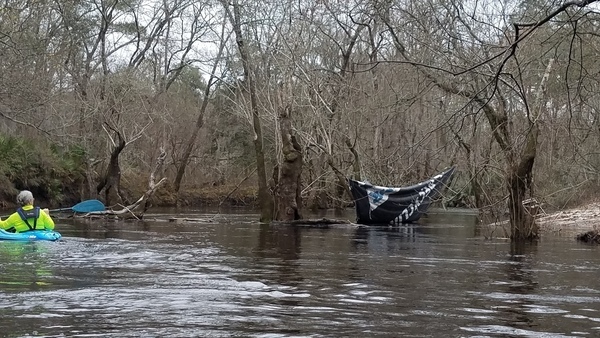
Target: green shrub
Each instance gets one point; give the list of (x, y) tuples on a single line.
[(47, 170)]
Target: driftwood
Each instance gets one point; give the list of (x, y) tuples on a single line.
[(180, 219), (591, 236)]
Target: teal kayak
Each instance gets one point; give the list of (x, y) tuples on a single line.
[(34, 235)]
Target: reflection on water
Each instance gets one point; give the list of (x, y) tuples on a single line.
[(226, 275), (281, 245), (521, 282), (24, 265)]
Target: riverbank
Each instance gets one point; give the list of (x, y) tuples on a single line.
[(207, 196), (572, 221)]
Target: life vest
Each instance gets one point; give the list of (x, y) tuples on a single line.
[(27, 214)]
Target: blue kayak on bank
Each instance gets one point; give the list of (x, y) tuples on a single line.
[(34, 235)]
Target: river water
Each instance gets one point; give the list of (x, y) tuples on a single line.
[(226, 275)]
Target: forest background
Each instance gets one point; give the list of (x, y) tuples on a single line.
[(259, 102)]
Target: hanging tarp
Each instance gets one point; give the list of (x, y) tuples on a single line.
[(385, 205)]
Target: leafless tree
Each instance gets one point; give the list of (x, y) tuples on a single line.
[(234, 14)]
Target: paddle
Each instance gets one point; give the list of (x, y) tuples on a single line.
[(84, 206)]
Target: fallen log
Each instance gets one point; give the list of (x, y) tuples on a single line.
[(321, 222)]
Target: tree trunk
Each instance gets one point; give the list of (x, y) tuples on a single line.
[(265, 199), (523, 224), (183, 162), (288, 184), (111, 182), (199, 121)]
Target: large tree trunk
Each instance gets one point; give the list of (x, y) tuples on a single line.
[(288, 184), (523, 224)]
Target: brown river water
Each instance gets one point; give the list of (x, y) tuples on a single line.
[(226, 275)]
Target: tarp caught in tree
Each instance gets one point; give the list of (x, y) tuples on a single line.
[(386, 205)]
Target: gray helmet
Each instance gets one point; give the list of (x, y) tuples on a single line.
[(25, 197)]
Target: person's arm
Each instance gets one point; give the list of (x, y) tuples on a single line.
[(46, 219), (10, 221)]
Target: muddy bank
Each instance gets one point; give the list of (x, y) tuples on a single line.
[(571, 221)]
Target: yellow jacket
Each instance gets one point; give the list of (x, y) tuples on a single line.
[(14, 222)]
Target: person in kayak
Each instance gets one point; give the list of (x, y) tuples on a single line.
[(27, 216)]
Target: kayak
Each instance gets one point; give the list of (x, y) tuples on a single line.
[(33, 235), (396, 205)]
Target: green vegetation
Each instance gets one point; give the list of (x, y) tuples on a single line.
[(51, 173)]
